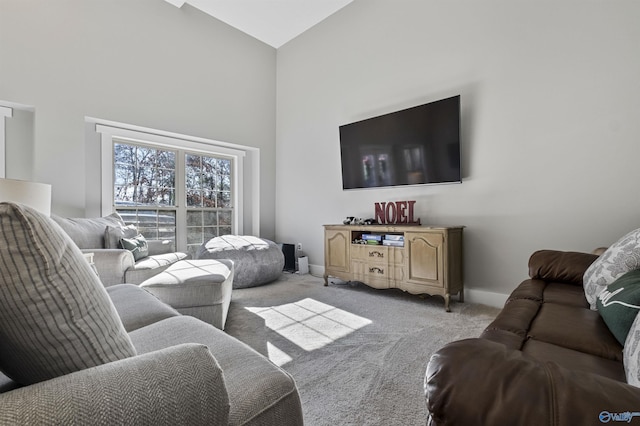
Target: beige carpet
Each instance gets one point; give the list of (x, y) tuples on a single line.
[(358, 355)]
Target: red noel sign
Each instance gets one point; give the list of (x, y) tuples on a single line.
[(398, 212)]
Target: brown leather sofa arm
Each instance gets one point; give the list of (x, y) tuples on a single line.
[(560, 266), (476, 381)]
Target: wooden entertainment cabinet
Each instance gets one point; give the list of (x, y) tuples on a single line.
[(430, 260)]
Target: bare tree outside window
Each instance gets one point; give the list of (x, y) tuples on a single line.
[(145, 192), (209, 203), (144, 176)]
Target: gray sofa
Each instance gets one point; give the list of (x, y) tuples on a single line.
[(75, 352), (116, 265)]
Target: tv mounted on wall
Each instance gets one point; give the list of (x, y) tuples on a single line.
[(414, 146)]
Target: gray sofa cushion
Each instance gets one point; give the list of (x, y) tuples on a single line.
[(88, 233), (260, 392), (55, 315), (138, 308)]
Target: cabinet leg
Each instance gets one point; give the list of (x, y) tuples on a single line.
[(447, 298), (326, 280), (461, 296)]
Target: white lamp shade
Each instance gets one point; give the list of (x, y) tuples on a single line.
[(32, 194)]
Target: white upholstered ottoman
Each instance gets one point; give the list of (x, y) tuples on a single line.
[(199, 288)]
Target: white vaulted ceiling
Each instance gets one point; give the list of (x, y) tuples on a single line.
[(274, 22)]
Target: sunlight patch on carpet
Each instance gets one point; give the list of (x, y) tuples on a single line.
[(308, 323), (277, 355)]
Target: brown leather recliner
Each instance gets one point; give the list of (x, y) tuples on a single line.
[(546, 358)]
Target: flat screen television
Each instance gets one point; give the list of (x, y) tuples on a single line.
[(414, 146)]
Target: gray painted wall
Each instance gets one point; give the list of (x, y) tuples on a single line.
[(550, 103), (141, 62)]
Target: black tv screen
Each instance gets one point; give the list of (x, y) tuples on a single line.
[(414, 146)]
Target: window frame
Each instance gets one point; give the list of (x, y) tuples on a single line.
[(5, 112), (109, 134)]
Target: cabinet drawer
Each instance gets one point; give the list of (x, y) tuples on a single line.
[(370, 253), (377, 253), (363, 270), (375, 274)]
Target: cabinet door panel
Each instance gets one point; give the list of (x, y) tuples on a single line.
[(426, 258), (336, 255)]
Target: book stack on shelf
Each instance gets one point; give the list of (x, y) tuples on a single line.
[(385, 240), (372, 239), (393, 240)]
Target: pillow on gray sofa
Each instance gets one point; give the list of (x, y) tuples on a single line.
[(55, 315), (631, 354), (619, 304), (114, 234), (621, 257), (137, 246)]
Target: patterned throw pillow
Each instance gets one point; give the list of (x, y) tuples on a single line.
[(631, 354), (623, 256), (619, 304), (137, 246), (55, 315)]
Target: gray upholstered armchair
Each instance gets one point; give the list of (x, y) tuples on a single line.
[(115, 265), (127, 391), (73, 352)]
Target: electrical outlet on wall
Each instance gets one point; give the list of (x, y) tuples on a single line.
[(299, 246)]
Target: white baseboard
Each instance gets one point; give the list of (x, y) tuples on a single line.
[(317, 270), (483, 297)]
